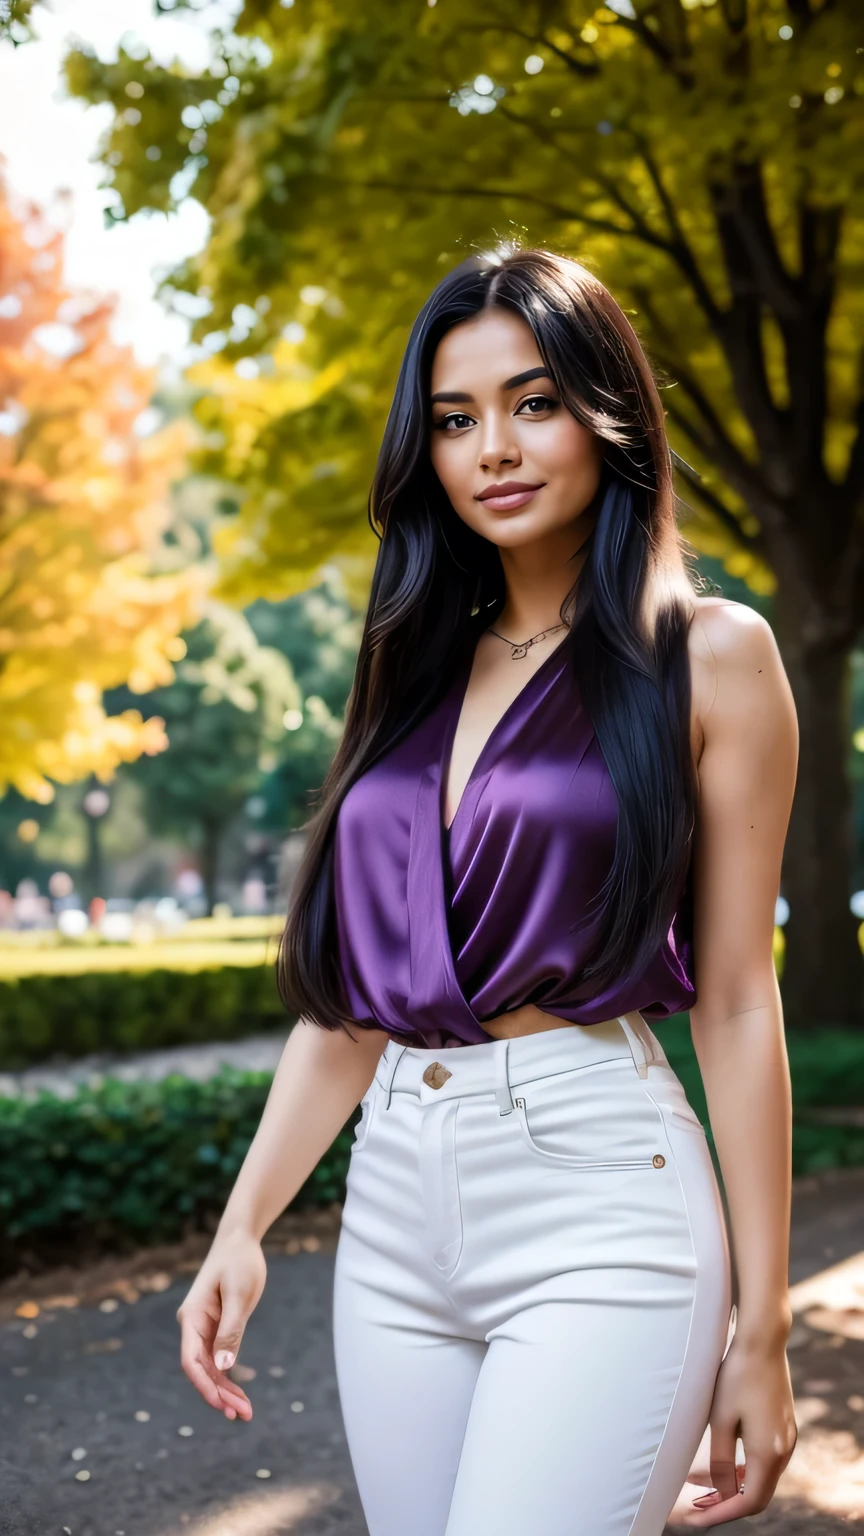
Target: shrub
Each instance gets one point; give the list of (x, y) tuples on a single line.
[(826, 1066), (143, 1162), (135, 1162), (44, 1016)]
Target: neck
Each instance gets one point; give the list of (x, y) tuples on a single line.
[(538, 579)]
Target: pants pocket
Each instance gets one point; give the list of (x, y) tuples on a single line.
[(367, 1115), (687, 1119), (598, 1124)]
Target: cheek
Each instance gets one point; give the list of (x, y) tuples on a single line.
[(453, 464), (569, 449)]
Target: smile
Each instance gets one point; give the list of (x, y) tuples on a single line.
[(507, 497)]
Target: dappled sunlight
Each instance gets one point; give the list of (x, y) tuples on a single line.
[(833, 1300), (827, 1468), (270, 1513), (826, 1472)]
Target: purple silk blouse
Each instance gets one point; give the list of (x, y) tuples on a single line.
[(438, 929)]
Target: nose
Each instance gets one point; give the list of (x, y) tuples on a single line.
[(498, 447)]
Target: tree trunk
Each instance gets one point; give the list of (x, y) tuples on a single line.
[(823, 968), (93, 868), (210, 849)]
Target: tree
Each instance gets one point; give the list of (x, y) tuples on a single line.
[(225, 715), (82, 509), (320, 635), (704, 158)]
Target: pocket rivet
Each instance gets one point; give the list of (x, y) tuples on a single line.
[(659, 1160)]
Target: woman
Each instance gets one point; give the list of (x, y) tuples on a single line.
[(558, 808)]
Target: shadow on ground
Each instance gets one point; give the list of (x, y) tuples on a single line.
[(90, 1384)]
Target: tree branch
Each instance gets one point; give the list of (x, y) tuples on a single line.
[(747, 208), (740, 334), (578, 66), (752, 543), (680, 247), (378, 184), (743, 476), (854, 483), (640, 228), (718, 445)]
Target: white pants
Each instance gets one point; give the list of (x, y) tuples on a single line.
[(532, 1291)]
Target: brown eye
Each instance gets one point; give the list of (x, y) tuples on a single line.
[(457, 420), (542, 402)]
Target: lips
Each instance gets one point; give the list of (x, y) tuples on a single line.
[(508, 495)]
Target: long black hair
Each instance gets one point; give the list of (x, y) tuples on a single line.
[(436, 583)]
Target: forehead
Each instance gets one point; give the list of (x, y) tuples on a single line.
[(484, 351)]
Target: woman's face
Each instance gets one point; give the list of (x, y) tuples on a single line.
[(515, 464)]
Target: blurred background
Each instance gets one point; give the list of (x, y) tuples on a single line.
[(217, 223)]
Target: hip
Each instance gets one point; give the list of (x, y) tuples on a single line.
[(572, 1147)]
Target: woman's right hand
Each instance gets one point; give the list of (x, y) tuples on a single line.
[(212, 1318)]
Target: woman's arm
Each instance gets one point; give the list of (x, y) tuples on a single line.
[(321, 1077), (747, 774)]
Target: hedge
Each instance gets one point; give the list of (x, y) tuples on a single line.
[(135, 1162), (826, 1065), (46, 1016), (143, 1162)]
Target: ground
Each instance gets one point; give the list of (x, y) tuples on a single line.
[(90, 1382)]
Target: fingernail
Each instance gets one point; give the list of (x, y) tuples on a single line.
[(707, 1498), (230, 1414), (224, 1360)]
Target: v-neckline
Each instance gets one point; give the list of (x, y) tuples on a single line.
[(450, 734)]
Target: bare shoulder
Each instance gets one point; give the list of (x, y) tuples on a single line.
[(726, 632), (736, 667)]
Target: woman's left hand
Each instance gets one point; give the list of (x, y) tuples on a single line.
[(752, 1401)]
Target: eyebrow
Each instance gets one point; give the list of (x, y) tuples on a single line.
[(459, 396)]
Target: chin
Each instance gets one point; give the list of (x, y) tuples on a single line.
[(511, 529)]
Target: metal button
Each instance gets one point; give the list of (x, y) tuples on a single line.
[(659, 1160), (436, 1075)]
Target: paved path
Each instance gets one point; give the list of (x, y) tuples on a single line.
[(257, 1053), (95, 1371)]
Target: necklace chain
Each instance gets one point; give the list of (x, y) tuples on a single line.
[(521, 648)]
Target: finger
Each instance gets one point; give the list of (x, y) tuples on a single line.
[(215, 1388), (226, 1344), (759, 1478), (194, 1369), (202, 1323), (217, 1391), (724, 1438), (233, 1396)]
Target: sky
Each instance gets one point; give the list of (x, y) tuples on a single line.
[(48, 143)]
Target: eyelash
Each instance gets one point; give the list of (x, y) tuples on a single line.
[(441, 426)]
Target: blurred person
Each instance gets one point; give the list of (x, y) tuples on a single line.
[(253, 896), (31, 909), (557, 812)]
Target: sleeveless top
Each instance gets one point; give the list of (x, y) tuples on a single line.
[(438, 930)]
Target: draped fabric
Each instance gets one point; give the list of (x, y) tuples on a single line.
[(440, 929)]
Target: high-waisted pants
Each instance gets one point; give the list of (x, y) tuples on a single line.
[(532, 1291)]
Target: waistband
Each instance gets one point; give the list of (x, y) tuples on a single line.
[(496, 1066)]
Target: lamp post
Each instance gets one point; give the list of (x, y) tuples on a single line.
[(95, 804)]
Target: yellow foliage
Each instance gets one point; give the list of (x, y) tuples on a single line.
[(82, 510)]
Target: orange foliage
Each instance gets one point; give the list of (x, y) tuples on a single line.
[(83, 505)]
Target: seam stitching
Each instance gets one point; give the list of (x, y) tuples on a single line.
[(631, 1530)]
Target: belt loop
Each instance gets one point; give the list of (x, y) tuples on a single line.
[(502, 1080), (390, 1065), (641, 1053)]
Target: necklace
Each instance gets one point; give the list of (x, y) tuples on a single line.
[(521, 648)]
